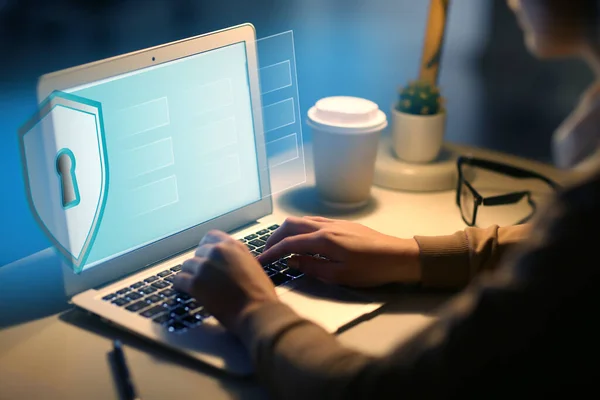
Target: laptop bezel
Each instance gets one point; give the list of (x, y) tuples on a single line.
[(166, 248)]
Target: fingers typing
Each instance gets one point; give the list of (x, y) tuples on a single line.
[(183, 282), (325, 270), (299, 244), (192, 265), (213, 236), (292, 227), (320, 219)]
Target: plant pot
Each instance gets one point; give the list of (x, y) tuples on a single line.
[(417, 138)]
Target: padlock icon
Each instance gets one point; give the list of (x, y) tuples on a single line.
[(65, 169)]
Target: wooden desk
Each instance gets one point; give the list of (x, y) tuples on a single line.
[(50, 350)]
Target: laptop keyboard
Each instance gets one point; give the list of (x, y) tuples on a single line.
[(155, 298)]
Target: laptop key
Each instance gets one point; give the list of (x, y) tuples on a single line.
[(260, 249), (278, 266), (170, 303), (148, 290), (183, 297), (137, 306), (250, 247), (167, 293), (169, 278), (162, 319), (151, 279), (191, 320), (179, 311), (251, 237), (191, 306), (262, 232), (160, 284), (153, 299), (151, 312), (279, 279), (197, 315), (265, 237), (137, 285), (121, 301), (255, 253), (294, 273), (273, 227), (175, 326), (134, 296), (123, 291), (256, 242), (176, 268), (109, 297), (164, 273)]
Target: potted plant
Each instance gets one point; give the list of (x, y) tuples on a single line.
[(418, 123)]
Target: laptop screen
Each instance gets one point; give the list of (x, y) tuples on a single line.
[(181, 148)]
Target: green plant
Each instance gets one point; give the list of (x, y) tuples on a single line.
[(420, 98)]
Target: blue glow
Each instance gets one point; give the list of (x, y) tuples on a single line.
[(181, 147)]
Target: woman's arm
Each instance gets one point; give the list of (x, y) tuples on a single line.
[(452, 261), (359, 256), (527, 328)]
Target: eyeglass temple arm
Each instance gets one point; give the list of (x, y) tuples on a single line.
[(533, 207), (510, 198), (507, 169)]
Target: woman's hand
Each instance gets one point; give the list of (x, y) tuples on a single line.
[(226, 279), (354, 254)]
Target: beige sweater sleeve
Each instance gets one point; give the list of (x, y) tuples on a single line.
[(452, 261)]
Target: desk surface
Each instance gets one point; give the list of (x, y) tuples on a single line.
[(50, 350)]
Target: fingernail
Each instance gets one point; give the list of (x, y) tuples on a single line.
[(293, 263)]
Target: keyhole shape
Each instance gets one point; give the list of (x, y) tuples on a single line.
[(65, 167)]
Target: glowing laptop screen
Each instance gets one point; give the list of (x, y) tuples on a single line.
[(180, 144)]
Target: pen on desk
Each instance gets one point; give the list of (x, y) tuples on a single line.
[(122, 372)]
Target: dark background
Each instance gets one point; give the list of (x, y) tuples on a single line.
[(498, 96)]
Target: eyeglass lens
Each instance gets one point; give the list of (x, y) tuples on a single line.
[(467, 204)]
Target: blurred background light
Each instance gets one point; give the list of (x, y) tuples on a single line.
[(498, 96)]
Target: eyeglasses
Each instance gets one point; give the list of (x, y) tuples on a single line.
[(469, 200)]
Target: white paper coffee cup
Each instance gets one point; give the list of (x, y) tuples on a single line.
[(346, 132)]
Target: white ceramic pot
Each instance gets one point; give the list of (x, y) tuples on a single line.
[(417, 138)]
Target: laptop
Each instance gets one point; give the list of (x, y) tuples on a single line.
[(174, 176)]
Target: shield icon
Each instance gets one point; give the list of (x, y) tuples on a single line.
[(65, 169)]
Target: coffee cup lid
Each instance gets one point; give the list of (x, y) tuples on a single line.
[(346, 114)]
